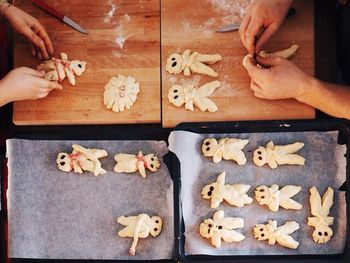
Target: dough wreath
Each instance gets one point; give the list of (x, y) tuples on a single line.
[(234, 194), (82, 159), (58, 69), (194, 62), (120, 93), (189, 95), (221, 227), (140, 226), (274, 234)]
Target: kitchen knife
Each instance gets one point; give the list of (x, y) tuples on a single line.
[(235, 26), (60, 16)]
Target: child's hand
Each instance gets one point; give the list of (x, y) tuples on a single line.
[(25, 84)]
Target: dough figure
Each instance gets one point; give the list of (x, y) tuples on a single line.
[(274, 198), (130, 163), (81, 159), (194, 62), (274, 234), (234, 194), (58, 69), (120, 93), (227, 148), (189, 95), (320, 210), (275, 155), (140, 226), (221, 228)]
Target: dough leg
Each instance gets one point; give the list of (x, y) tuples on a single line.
[(231, 236), (209, 59), (287, 53), (291, 159), (291, 204), (287, 241)]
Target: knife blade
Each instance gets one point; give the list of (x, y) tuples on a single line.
[(60, 16)]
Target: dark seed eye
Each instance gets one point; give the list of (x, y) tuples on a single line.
[(209, 225), (173, 59), (211, 188), (62, 163), (152, 159), (208, 149), (261, 190), (262, 197), (326, 234), (174, 64), (157, 221), (208, 230), (176, 97), (260, 158), (259, 152), (62, 157), (209, 193), (156, 229), (80, 66), (262, 235), (220, 227), (207, 143), (261, 229), (152, 165), (175, 91), (319, 233)]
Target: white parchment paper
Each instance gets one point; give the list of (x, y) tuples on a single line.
[(325, 166), (58, 215)]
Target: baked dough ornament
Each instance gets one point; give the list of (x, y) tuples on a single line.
[(140, 226), (194, 62), (121, 93), (130, 163), (320, 210), (58, 69), (275, 155), (273, 233), (234, 194), (82, 159), (274, 198), (189, 95), (221, 227), (225, 148)]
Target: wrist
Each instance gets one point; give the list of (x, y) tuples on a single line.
[(4, 96), (309, 86), (4, 5)]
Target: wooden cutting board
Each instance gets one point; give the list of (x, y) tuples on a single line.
[(109, 22), (191, 24)]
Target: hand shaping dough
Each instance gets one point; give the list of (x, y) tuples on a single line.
[(274, 234), (81, 159), (189, 95), (221, 228), (140, 226), (275, 155), (130, 163), (234, 194), (320, 210), (194, 62), (120, 93), (274, 198), (58, 69), (226, 148)]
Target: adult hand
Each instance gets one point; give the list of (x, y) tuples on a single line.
[(25, 84), (31, 29), (266, 15), (278, 79)]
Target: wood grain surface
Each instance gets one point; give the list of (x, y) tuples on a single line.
[(109, 22), (191, 24)]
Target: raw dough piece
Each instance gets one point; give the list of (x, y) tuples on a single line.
[(189, 95), (81, 159), (120, 93), (275, 155), (194, 62), (320, 210), (221, 228), (274, 198), (287, 53), (140, 226), (58, 69), (274, 234), (130, 163), (226, 148), (234, 194)]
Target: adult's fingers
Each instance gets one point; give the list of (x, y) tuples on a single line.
[(41, 32), (49, 85), (30, 71), (255, 87), (34, 38), (243, 27), (256, 74), (268, 32), (33, 50), (268, 62), (250, 34)]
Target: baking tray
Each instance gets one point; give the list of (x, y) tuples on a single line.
[(341, 126)]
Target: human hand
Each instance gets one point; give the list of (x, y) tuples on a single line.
[(31, 29), (278, 79), (25, 84), (262, 14)]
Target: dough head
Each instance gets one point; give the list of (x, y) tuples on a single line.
[(322, 234), (207, 191), (176, 95), (206, 228), (152, 162), (261, 232), (157, 224), (174, 64), (64, 162), (260, 156), (209, 147), (78, 67), (262, 194)]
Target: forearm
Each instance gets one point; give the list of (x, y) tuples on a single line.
[(4, 95)]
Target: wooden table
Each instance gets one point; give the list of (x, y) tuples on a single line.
[(191, 24)]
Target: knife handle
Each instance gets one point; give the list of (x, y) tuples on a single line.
[(48, 9)]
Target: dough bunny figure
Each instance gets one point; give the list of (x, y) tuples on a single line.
[(274, 198), (221, 227), (320, 210), (58, 69), (194, 62), (275, 155), (130, 163), (234, 194), (226, 148), (189, 95), (274, 234), (82, 159), (140, 226)]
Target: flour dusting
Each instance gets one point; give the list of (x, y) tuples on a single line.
[(110, 13), (231, 11), (121, 35)]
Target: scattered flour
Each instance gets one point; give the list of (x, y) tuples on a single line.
[(110, 13), (121, 35), (120, 41), (231, 11)]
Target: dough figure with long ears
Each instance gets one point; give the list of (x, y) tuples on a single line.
[(140, 226)]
